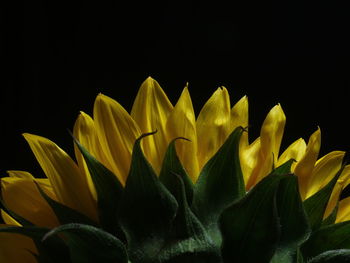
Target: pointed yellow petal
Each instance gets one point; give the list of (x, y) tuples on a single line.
[(150, 111), (270, 139), (69, 185), (213, 125), (295, 151), (9, 219), (326, 168), (182, 123), (117, 132), (22, 197), (239, 113), (20, 174), (305, 166), (343, 210), (85, 132), (16, 248)]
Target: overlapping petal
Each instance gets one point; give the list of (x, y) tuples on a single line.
[(117, 133), (150, 111), (64, 175), (213, 125), (182, 123)]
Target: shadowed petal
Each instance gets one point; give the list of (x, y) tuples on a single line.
[(182, 123), (69, 185), (22, 197), (305, 166), (150, 111), (213, 125), (9, 219), (16, 248), (117, 132)]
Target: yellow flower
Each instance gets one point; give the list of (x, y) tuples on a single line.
[(109, 135)]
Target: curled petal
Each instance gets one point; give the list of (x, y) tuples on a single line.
[(22, 197), (213, 125), (150, 111), (270, 140), (182, 123), (305, 166), (69, 185), (117, 133)]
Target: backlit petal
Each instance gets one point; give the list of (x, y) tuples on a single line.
[(213, 125), (343, 210), (324, 170), (117, 132), (16, 248), (182, 123), (150, 111), (69, 185), (270, 139), (305, 166), (22, 197), (248, 159), (295, 151)]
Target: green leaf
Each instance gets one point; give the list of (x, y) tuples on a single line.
[(88, 244), (109, 191), (293, 220), (219, 184), (331, 218), (53, 250), (189, 241), (172, 166), (251, 227), (147, 209), (64, 213), (315, 205), (333, 256), (330, 237)]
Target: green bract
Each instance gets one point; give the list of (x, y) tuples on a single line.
[(168, 219)]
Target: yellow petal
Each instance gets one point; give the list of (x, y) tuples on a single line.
[(85, 132), (213, 125), (16, 248), (117, 132), (325, 169), (295, 151), (9, 219), (22, 197), (270, 139), (305, 166), (150, 111), (249, 158), (343, 210), (69, 185), (20, 174), (182, 123)]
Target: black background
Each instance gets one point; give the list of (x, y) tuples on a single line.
[(59, 55)]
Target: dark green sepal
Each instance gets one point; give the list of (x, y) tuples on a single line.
[(172, 165), (331, 237), (64, 214), (109, 191), (147, 209), (188, 241), (88, 244), (295, 229), (52, 251), (219, 184), (250, 227), (315, 205), (284, 168), (333, 256), (331, 218)]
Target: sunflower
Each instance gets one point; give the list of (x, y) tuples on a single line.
[(187, 159)]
